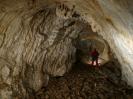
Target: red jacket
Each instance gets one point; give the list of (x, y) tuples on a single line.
[(94, 53)]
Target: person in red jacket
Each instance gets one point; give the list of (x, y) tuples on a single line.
[(94, 56)]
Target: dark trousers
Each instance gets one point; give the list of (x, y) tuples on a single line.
[(95, 60)]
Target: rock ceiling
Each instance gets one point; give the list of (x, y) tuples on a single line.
[(30, 44)]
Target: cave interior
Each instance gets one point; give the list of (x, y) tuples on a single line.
[(45, 49)]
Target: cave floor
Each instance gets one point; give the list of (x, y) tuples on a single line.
[(87, 82)]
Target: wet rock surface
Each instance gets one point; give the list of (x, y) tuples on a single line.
[(87, 82)]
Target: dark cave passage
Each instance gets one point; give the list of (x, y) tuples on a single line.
[(87, 82)]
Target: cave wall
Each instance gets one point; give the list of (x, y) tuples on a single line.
[(117, 30), (88, 40), (112, 20), (121, 35), (30, 50), (33, 47)]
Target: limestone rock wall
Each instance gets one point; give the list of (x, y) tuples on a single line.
[(37, 41), (112, 19), (32, 48)]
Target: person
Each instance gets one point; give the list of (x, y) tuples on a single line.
[(94, 56)]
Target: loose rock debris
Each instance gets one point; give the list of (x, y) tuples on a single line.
[(87, 82)]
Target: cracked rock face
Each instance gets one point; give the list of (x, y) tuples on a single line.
[(37, 39)]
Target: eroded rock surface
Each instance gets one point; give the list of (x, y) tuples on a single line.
[(33, 48), (37, 39)]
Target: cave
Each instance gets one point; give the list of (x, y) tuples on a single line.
[(45, 42)]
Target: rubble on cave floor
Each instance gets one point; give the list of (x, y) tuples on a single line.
[(87, 82)]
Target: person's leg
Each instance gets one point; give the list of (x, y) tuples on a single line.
[(97, 62), (92, 62)]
